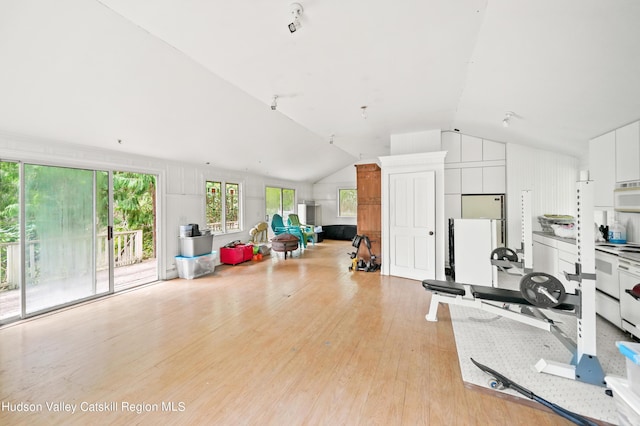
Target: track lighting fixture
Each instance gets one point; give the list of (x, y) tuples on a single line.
[(274, 104), (364, 111), (296, 10), (507, 119), (331, 140)]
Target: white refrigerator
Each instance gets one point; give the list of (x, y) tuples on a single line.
[(473, 242)]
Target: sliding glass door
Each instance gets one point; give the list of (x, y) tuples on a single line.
[(70, 234), (64, 209), (280, 201), (9, 240)]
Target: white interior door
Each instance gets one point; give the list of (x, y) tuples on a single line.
[(412, 225)]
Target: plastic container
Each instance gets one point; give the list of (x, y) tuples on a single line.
[(627, 402), (617, 233), (632, 352), (194, 267), (196, 246), (185, 230)]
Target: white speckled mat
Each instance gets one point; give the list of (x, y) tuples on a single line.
[(512, 349)]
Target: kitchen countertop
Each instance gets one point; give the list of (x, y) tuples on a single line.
[(555, 237), (629, 251)]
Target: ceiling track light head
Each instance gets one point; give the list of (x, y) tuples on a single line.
[(364, 111), (274, 104), (296, 11), (507, 118)]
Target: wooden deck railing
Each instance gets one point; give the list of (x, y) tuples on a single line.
[(217, 226), (127, 251)]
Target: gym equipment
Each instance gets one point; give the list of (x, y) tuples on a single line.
[(543, 291), (507, 259), (498, 381), (361, 264)]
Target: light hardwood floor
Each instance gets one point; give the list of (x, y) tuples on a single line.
[(279, 342)]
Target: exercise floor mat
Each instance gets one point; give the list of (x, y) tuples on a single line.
[(513, 348)]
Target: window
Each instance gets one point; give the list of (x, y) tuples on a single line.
[(227, 207), (279, 201), (347, 202)]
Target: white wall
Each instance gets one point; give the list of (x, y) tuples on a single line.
[(416, 142), (181, 187), (551, 176), (325, 193)]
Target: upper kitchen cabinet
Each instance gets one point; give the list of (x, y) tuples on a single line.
[(493, 150), (627, 143), (494, 180), (452, 183), (451, 143), (483, 180), (471, 149), (602, 168)]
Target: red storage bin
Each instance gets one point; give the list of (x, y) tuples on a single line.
[(234, 255)]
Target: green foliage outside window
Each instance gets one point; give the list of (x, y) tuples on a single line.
[(348, 202)]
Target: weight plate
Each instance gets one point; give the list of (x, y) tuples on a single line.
[(504, 253), (536, 287)]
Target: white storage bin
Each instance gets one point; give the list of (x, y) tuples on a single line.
[(632, 352), (627, 402), (194, 267)]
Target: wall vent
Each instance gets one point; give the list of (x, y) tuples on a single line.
[(633, 184)]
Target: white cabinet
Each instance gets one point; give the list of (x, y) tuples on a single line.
[(483, 180), (452, 183), (493, 180), (453, 206), (628, 152), (309, 214), (451, 144), (555, 257), (472, 180), (471, 148), (493, 150), (602, 168), (567, 259), (544, 256), (475, 165)]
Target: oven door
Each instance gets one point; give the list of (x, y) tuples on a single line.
[(629, 275), (607, 274)]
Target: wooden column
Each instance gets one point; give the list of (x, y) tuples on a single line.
[(369, 208)]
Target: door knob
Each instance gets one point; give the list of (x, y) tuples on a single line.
[(430, 232)]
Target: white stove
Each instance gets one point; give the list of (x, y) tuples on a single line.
[(618, 270)]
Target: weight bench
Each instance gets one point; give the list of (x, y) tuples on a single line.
[(546, 293), (492, 294), (499, 301)]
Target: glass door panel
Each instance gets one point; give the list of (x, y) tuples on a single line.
[(134, 229), (10, 301), (60, 236), (104, 257)]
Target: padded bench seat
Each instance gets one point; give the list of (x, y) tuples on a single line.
[(484, 293), (447, 287)]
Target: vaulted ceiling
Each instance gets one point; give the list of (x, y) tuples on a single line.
[(193, 80)]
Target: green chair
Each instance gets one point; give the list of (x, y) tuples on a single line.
[(278, 227), (307, 230)]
